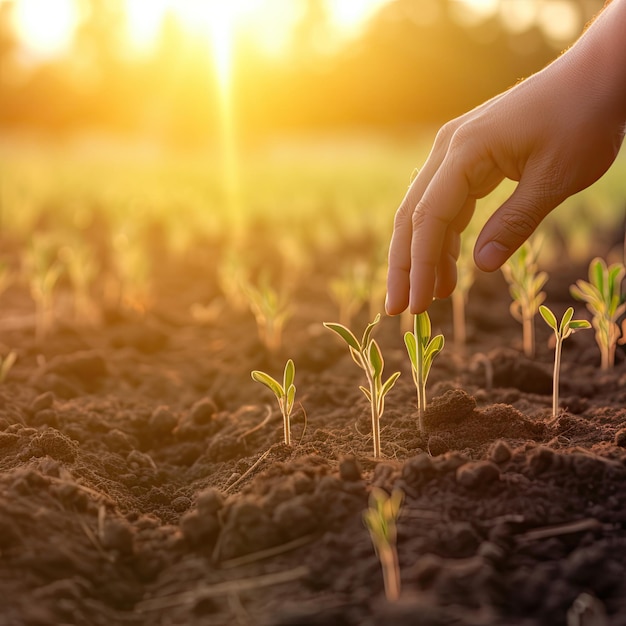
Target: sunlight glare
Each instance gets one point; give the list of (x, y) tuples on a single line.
[(45, 28), (143, 21), (471, 12), (560, 20), (350, 17), (518, 15)]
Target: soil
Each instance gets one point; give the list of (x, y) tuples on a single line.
[(143, 480)]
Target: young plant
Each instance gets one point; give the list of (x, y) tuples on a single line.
[(44, 270), (525, 284), (366, 354), (285, 393), (82, 270), (561, 330), (6, 363), (271, 311), (422, 350), (602, 295), (350, 292), (380, 519)]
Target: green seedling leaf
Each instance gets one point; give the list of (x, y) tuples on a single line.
[(345, 334), (423, 327), (577, 324), (566, 319), (289, 375), (411, 347), (376, 359), (548, 317), (391, 381), (291, 396), (367, 393), (268, 381), (368, 331), (596, 274)]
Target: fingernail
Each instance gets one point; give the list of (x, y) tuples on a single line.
[(491, 256)]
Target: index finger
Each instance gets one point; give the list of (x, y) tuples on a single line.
[(443, 200), (399, 262)]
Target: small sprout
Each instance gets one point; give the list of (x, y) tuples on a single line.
[(380, 519), (81, 269), (350, 292), (285, 393), (132, 287), (271, 311), (422, 351), (525, 284), (43, 270), (367, 355), (6, 363), (7, 277), (561, 330), (602, 294)]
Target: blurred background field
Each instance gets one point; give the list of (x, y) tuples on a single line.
[(257, 139)]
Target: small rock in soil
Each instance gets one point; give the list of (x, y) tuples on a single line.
[(477, 474)]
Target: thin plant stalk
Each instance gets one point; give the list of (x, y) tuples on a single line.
[(561, 330), (380, 519), (603, 297), (367, 355), (422, 350), (285, 394), (525, 284)]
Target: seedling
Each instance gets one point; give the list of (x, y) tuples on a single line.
[(561, 330), (7, 277), (81, 269), (285, 393), (6, 363), (422, 350), (44, 270), (380, 519), (271, 311), (350, 292), (367, 355), (602, 295), (525, 284)]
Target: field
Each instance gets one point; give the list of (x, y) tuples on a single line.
[(144, 479)]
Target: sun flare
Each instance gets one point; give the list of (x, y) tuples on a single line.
[(46, 27)]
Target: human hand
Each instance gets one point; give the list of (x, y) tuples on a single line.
[(555, 133)]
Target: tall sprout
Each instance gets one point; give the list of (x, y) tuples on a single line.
[(367, 355), (271, 310), (43, 269), (285, 394), (562, 330), (380, 519), (525, 286), (603, 297), (350, 291), (422, 350), (81, 269)]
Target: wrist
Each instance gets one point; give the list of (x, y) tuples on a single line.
[(601, 55)]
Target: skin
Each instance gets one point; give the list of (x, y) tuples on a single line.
[(555, 133)]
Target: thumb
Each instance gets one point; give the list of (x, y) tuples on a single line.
[(515, 221)]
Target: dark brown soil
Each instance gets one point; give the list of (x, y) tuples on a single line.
[(141, 485)]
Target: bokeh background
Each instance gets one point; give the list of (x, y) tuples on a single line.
[(249, 144), (158, 68)]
